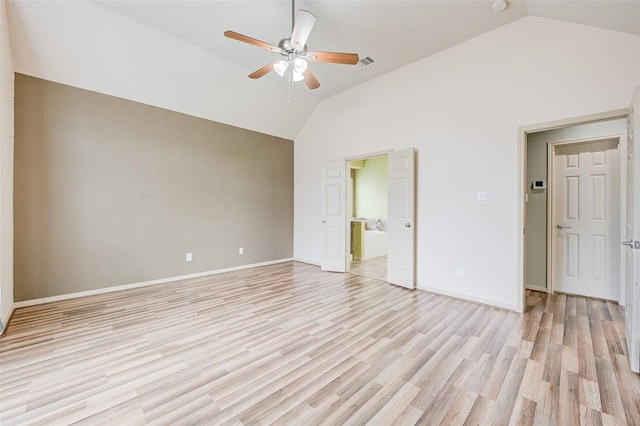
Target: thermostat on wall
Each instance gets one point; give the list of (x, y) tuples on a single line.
[(538, 184)]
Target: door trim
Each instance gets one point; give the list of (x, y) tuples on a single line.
[(620, 139), (523, 131)]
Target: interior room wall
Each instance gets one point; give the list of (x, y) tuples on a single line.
[(111, 192), (462, 109), (6, 171), (537, 162), (371, 188)]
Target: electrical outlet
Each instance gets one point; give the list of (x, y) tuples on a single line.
[(461, 272), (241, 250), (189, 257)]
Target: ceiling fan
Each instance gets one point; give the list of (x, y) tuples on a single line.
[(294, 51)]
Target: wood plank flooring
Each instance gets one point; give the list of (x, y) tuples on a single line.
[(375, 267), (289, 344)]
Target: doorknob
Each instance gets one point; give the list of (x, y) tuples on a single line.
[(560, 226), (407, 225), (627, 243), (324, 221)]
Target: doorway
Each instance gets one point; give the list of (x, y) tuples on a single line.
[(629, 215), (400, 225), (369, 205), (538, 222)]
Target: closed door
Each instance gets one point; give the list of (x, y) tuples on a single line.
[(585, 219)]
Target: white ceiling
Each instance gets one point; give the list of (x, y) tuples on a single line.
[(394, 33)]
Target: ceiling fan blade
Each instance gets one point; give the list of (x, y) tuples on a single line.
[(262, 71), (305, 21), (310, 79), (333, 57), (250, 40)]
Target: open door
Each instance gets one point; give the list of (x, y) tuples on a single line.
[(401, 223), (334, 217), (632, 240)]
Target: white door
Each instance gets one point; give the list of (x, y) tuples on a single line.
[(632, 240), (333, 217), (400, 224), (585, 219)]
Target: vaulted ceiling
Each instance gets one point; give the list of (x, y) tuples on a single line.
[(394, 33), (173, 54)]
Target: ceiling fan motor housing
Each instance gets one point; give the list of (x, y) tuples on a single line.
[(285, 45)]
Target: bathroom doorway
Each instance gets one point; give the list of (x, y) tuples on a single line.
[(369, 206)]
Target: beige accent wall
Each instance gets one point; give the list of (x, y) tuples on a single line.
[(111, 192), (536, 226)]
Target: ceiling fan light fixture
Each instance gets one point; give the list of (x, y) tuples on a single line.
[(280, 67), (498, 6), (297, 76), (299, 65)]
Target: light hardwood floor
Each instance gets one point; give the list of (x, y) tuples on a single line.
[(289, 344), (375, 267)]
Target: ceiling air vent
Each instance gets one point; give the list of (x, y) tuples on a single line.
[(365, 62)]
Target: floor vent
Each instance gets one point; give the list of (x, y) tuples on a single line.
[(366, 62)]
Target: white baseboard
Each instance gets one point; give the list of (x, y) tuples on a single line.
[(480, 300), (310, 262), (141, 284)]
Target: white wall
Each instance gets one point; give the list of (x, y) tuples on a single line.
[(83, 44), (461, 109), (6, 171)]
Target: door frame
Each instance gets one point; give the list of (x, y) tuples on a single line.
[(523, 131), (621, 140)]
